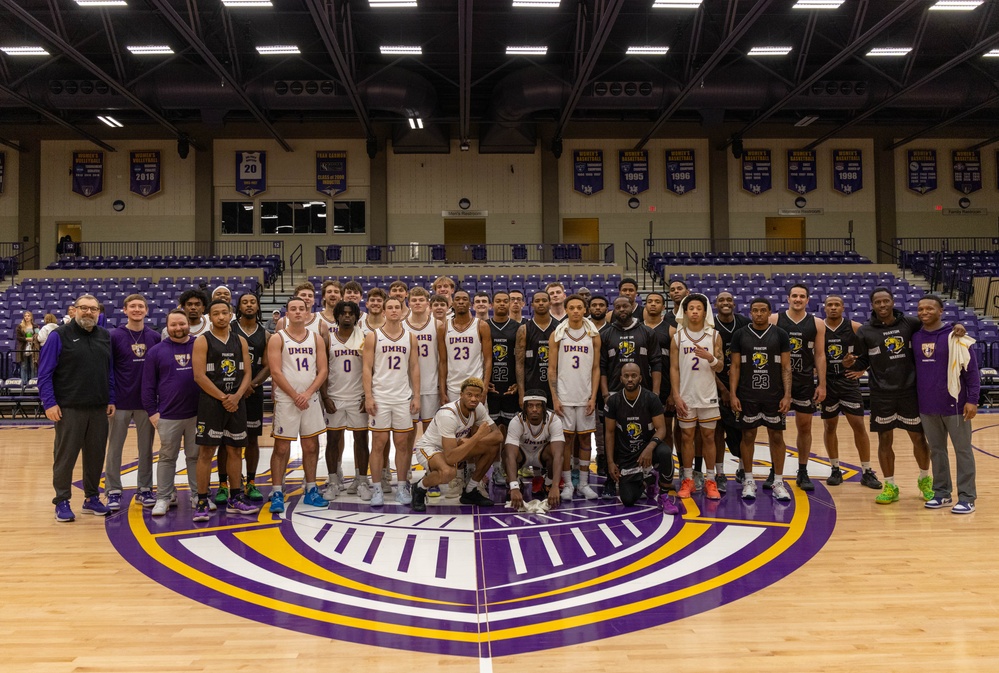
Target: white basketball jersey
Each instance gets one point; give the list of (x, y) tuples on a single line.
[(298, 361), (328, 325), (533, 438), (315, 324), (426, 349), (575, 368), (697, 382), (464, 353), (450, 421), (390, 377), (346, 378)]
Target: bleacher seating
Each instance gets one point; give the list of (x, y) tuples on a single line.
[(272, 265), (658, 263)]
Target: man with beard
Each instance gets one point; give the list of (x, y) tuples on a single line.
[(627, 340), (76, 387), (465, 348), (727, 322), (375, 317), (247, 325), (598, 311), (194, 303), (332, 294), (628, 287), (502, 396), (534, 439), (532, 348)]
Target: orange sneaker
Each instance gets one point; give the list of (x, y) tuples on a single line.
[(686, 488), (711, 490)]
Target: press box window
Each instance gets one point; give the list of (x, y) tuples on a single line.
[(348, 217), (293, 217), (237, 217)]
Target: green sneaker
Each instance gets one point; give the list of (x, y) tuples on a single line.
[(222, 495), (926, 487), (888, 495), (252, 493)]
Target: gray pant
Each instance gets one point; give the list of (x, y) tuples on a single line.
[(171, 434), (937, 428), (116, 442), (81, 428)]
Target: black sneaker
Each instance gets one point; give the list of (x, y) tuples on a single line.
[(769, 483), (721, 481), (474, 497), (601, 465), (609, 491), (740, 476), (835, 477), (419, 499), (869, 479), (803, 481)]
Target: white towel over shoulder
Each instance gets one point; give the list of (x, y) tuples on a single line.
[(959, 350)]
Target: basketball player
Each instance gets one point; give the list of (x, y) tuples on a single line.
[(696, 355), (534, 439), (375, 317), (635, 428), (760, 379), (598, 311), (400, 291), (727, 322), (481, 304), (247, 325), (517, 306), (305, 291), (663, 323), (343, 399), (677, 291), (532, 348), (221, 362), (170, 397), (574, 385), (502, 397), (424, 326), (808, 359), (194, 303), (130, 344), (843, 395), (465, 348), (627, 340), (391, 375), (299, 367), (352, 291), (445, 287), (628, 287), (556, 296), (460, 431), (439, 307), (332, 293)]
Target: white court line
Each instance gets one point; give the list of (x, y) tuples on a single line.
[(610, 534), (500, 522), (517, 553), (485, 665), (587, 549), (631, 527), (524, 519), (553, 554), (578, 516)]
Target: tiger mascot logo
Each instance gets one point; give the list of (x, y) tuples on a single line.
[(627, 348), (796, 344), (499, 351), (835, 351), (760, 360)]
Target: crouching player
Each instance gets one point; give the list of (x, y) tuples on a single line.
[(461, 430), (534, 438)]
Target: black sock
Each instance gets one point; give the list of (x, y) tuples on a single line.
[(235, 493), (698, 463), (251, 476), (802, 469), (202, 498)]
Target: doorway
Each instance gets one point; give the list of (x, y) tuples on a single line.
[(70, 246), (465, 240), (584, 232), (785, 234)]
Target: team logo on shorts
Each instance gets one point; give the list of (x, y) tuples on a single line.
[(499, 351), (796, 344), (627, 348), (543, 352), (139, 350), (928, 350), (760, 360), (835, 351), (894, 344), (201, 429), (634, 430), (183, 359), (228, 366)]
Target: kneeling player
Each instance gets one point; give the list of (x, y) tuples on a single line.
[(535, 438), (461, 430)]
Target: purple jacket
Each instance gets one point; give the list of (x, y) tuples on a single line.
[(932, 353)]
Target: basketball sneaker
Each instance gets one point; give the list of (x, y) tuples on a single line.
[(568, 491), (93, 505), (63, 512), (888, 495), (925, 485), (419, 499), (686, 488), (314, 499), (609, 490), (277, 502), (211, 503), (698, 481), (473, 497), (711, 490), (114, 501), (721, 482), (354, 484), (768, 483), (781, 493), (364, 490), (404, 495), (804, 482), (222, 495), (870, 480), (835, 477), (239, 505), (377, 497), (201, 511), (160, 508), (145, 498), (749, 489), (740, 476), (963, 507), (937, 502), (587, 492), (252, 492), (668, 504), (433, 492)]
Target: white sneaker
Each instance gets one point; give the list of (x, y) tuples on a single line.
[(749, 489), (386, 479), (364, 490), (332, 488), (377, 498), (567, 491), (352, 489), (587, 492), (404, 495), (456, 487), (780, 492), (161, 507)]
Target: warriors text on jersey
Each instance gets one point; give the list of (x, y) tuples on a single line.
[(887, 351), (504, 372), (634, 425), (839, 343), (636, 344), (760, 377), (802, 335), (224, 362)]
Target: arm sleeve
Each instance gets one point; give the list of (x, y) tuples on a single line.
[(46, 367)]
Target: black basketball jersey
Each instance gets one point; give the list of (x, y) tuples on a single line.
[(536, 356), (886, 351), (727, 332), (760, 353), (802, 337), (504, 372), (839, 342), (224, 362), (636, 344), (662, 334), (634, 427), (257, 343)]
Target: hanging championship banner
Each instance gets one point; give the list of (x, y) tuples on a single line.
[(967, 171), (3, 169), (588, 171), (331, 172), (251, 172), (634, 170), (757, 171), (922, 170), (848, 171), (88, 173), (144, 177), (801, 177), (680, 175)]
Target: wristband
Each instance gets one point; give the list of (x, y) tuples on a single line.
[(655, 442), (514, 485)]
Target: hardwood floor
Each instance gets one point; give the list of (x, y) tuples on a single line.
[(894, 587)]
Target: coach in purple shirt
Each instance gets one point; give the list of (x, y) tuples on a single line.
[(942, 413)]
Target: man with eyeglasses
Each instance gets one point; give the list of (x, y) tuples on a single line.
[(76, 386)]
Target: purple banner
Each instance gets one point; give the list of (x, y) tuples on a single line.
[(801, 176), (144, 178), (251, 172), (757, 171), (331, 172), (634, 170), (680, 174), (848, 171), (88, 173), (3, 169), (922, 170), (967, 171), (588, 171)]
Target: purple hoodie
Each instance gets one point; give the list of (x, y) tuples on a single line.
[(932, 354)]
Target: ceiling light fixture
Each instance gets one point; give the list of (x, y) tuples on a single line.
[(770, 51), (806, 121), (247, 3), (536, 3), (957, 5), (378, 4), (817, 4), (24, 51), (889, 51), (676, 4), (989, 54), (649, 51), (401, 49), (111, 121), (278, 49), (140, 50), (526, 51), (102, 3)]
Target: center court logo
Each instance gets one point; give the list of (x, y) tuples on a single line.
[(484, 584)]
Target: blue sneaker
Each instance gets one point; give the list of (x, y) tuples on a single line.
[(277, 502), (145, 498), (434, 492), (315, 499), (63, 512), (937, 502), (963, 507), (114, 501), (93, 505)]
